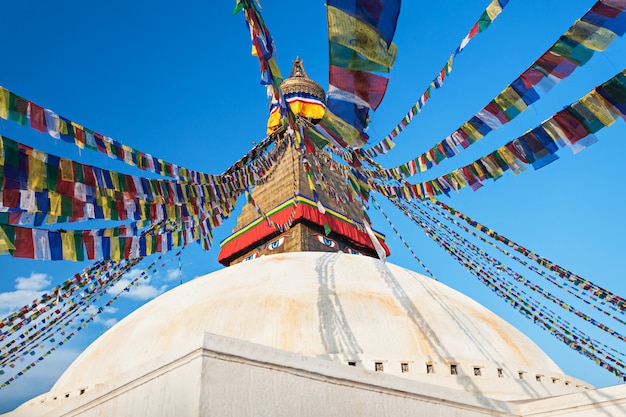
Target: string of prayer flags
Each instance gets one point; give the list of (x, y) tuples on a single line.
[(607, 296), (578, 291), (360, 35), (593, 32), (501, 268), (489, 271), (492, 11), (262, 46), (53, 329), (539, 290), (51, 298), (78, 245), (27, 113), (40, 187), (572, 127), (395, 230), (35, 330), (264, 49)]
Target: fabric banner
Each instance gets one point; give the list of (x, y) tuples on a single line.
[(360, 37)]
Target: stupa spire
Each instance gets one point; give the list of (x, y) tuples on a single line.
[(303, 205)]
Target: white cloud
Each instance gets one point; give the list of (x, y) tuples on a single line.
[(143, 292), (12, 300), (132, 274), (172, 275), (36, 281), (27, 289), (106, 322), (98, 318), (110, 310)]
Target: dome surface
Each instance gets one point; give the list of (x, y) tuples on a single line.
[(348, 308)]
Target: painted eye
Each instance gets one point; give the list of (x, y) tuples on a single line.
[(251, 257), (352, 251), (326, 241), (277, 243)]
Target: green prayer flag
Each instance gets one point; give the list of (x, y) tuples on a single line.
[(11, 152), (484, 22), (18, 108), (239, 5), (327, 229)]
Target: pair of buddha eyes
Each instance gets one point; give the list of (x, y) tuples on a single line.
[(270, 246), (275, 244), (333, 244)]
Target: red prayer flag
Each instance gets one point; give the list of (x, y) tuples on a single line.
[(24, 247), (88, 242), (79, 136), (365, 85), (474, 31), (37, 117), (572, 127), (128, 243)]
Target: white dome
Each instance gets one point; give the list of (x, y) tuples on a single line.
[(341, 307)]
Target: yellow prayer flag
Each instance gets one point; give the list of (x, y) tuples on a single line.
[(591, 36), (471, 131), (63, 129), (456, 174), (115, 180), (511, 98), (128, 155), (109, 149), (5, 243), (449, 64), (345, 130), (479, 170), (494, 9), (69, 246), (510, 159), (115, 248), (142, 209), (106, 210), (1, 151), (67, 169), (78, 127), (171, 212), (601, 108), (554, 130), (4, 103), (149, 245), (359, 36), (55, 203), (36, 170)]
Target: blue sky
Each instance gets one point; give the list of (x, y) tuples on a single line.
[(178, 81)]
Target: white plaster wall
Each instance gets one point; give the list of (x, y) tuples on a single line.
[(605, 402), (166, 389), (221, 376)]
